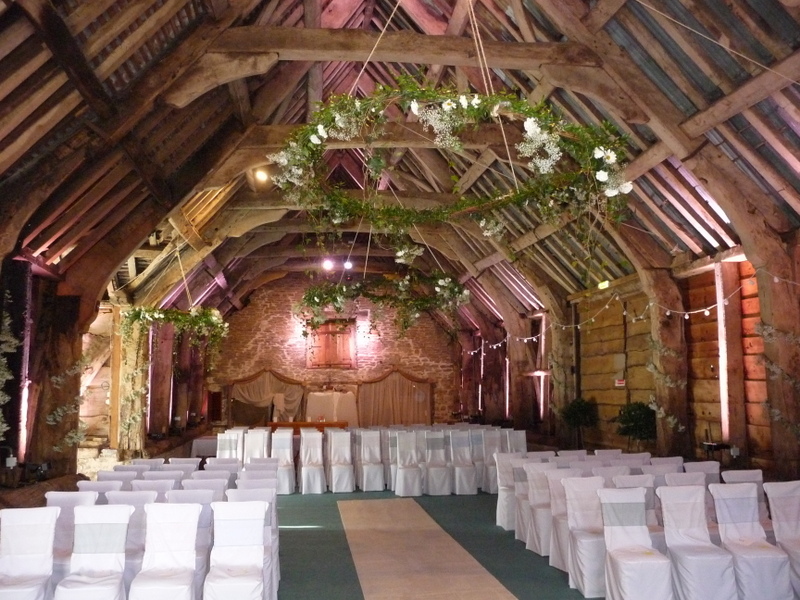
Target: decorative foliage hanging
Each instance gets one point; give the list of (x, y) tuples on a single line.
[(203, 324), (8, 345)]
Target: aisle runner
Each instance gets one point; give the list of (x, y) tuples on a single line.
[(400, 552)]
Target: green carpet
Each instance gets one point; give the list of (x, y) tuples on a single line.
[(316, 561)]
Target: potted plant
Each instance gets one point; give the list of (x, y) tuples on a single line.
[(636, 421), (577, 414)]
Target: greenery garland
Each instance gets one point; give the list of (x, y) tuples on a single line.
[(8, 345), (402, 294), (201, 323)]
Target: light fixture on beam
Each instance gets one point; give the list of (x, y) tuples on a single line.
[(348, 265), (261, 175), (603, 285), (327, 264)]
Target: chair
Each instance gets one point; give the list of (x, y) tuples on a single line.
[(506, 490), (491, 446), (541, 519), (635, 464), (608, 473), (256, 484), (266, 473), (231, 470), (282, 449), (522, 507), (256, 444), (573, 454), (371, 469), (478, 454), (228, 445), (540, 455), (217, 487), (659, 472), (438, 480), (641, 458), (138, 469), (667, 460), (633, 568), (237, 560), (26, 551), (409, 474), (169, 553), (762, 570), (464, 475), (272, 572), (698, 478), (185, 470), (264, 461), (194, 461), (63, 540), (97, 565), (176, 475), (101, 487), (155, 464), (124, 476), (518, 441), (587, 549), (137, 527), (559, 535), (217, 460), (342, 475), (647, 482), (312, 466), (755, 476), (784, 504), (701, 570), (205, 537), (609, 453), (709, 467), (161, 487)]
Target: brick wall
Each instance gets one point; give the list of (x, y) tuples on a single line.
[(265, 334)]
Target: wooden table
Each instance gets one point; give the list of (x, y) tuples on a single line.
[(298, 425)]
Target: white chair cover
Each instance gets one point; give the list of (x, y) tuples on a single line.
[(541, 455), (641, 458), (491, 446), (700, 569), (409, 474), (227, 445), (312, 465), (267, 472), (256, 484), (237, 560), (65, 528), (137, 527), (205, 538), (585, 466), (541, 519), (138, 469), (518, 441), (101, 487), (168, 565), (175, 474), (194, 461), (784, 504), (155, 464), (506, 490), (283, 450), (755, 476), (161, 487), (608, 453), (438, 476), (385, 455), (608, 473), (573, 454), (185, 469), (217, 487), (124, 476), (634, 569), (634, 464), (26, 551), (667, 460), (659, 472), (647, 482), (266, 461), (342, 476), (587, 549), (256, 444), (559, 535), (370, 466), (225, 460), (231, 470), (464, 474), (762, 570), (522, 506), (98, 558), (564, 462), (272, 573), (709, 467), (698, 478), (478, 456)]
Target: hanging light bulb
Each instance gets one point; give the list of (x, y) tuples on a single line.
[(348, 265), (261, 175), (706, 312), (669, 313), (327, 264), (686, 316)]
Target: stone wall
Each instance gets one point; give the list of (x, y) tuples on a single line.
[(266, 335)]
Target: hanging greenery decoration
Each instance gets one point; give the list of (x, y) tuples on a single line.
[(203, 324), (440, 292), (577, 170), (8, 345)]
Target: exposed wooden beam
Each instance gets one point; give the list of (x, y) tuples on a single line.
[(312, 19), (601, 13), (294, 44)]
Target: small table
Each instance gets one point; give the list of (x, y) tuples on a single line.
[(711, 447), (204, 446)]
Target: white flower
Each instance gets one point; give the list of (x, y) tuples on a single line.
[(601, 175), (610, 192), (475, 101), (358, 103), (321, 131), (339, 120), (462, 100), (626, 187), (599, 152), (437, 288), (414, 106), (314, 139), (448, 105), (610, 157), (532, 127)]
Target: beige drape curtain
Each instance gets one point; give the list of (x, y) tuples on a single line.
[(253, 399), (394, 400)]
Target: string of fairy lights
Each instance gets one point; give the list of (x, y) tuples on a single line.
[(634, 318)]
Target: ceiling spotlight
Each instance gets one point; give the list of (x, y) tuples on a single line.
[(327, 264), (261, 175), (348, 264)]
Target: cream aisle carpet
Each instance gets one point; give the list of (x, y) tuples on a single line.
[(400, 552)]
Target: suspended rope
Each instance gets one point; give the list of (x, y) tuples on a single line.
[(350, 252), (183, 275), (374, 47)]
